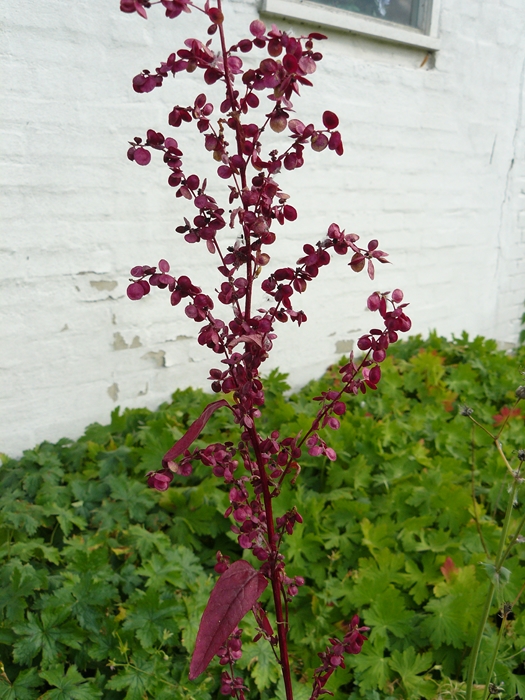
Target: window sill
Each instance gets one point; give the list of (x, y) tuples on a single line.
[(333, 18)]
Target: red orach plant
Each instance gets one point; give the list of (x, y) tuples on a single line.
[(244, 337)]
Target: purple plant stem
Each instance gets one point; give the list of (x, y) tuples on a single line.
[(276, 587), (254, 438), (229, 90)]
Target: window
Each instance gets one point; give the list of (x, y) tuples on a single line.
[(408, 12), (409, 22)]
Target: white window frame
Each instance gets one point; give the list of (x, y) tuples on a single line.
[(345, 20)]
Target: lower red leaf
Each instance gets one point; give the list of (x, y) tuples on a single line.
[(193, 432), (236, 591)]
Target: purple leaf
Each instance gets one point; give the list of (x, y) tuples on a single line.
[(193, 431), (235, 593)]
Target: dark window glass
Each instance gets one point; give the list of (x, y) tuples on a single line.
[(398, 11)]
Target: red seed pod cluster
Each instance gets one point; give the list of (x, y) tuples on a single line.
[(231, 652), (233, 686), (317, 447), (220, 458), (286, 522), (333, 657), (251, 527), (223, 563), (395, 320), (160, 480)]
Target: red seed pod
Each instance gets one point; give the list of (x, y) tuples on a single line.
[(192, 182), (364, 343), (275, 47), (373, 302), (330, 120), (142, 156), (278, 122), (319, 142), (357, 263), (257, 28), (378, 355), (215, 15), (375, 374), (397, 296), (339, 408), (135, 291), (245, 45)]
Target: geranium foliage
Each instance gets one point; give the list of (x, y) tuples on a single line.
[(104, 581)]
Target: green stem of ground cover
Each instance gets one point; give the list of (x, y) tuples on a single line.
[(494, 657), (500, 558), (473, 491), (514, 539), (477, 643)]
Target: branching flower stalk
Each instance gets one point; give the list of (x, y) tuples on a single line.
[(256, 468), (504, 548)]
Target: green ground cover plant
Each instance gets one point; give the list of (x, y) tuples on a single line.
[(104, 581)]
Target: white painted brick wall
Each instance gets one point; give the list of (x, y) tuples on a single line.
[(434, 167)]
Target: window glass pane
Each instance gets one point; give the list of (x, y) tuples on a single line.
[(399, 11)]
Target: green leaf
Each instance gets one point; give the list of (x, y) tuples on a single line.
[(372, 666), (444, 625), (497, 577), (377, 535), (145, 542), (20, 515), (301, 691), (92, 595), (388, 614), (152, 617), (409, 665), (455, 610), (178, 567), (137, 679), (373, 578), (23, 688), (18, 583), (260, 660), (71, 686), (136, 498), (419, 581), (31, 549), (66, 517), (48, 634)]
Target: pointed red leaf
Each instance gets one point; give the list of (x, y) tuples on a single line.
[(193, 432), (236, 591), (449, 568)]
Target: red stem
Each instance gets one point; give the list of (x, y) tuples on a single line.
[(235, 115), (282, 629), (254, 438)]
